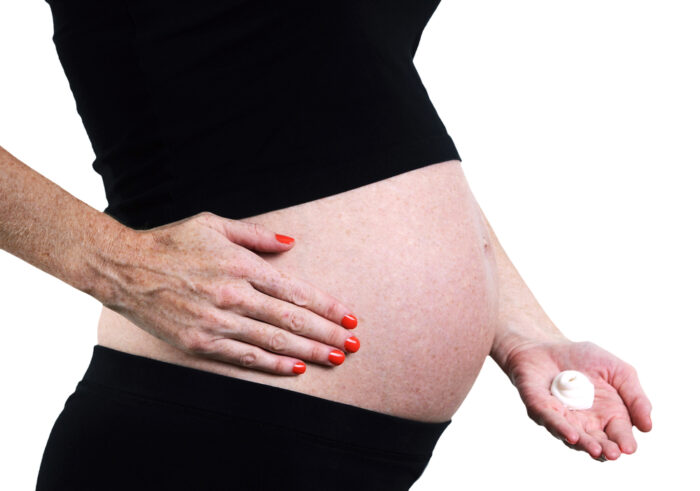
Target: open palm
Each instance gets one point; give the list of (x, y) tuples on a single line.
[(604, 430)]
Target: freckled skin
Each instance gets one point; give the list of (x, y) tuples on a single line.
[(410, 255), (418, 263)]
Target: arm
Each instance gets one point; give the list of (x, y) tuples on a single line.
[(532, 351), (46, 226), (194, 283), (521, 319)]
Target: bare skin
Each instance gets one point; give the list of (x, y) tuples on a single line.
[(532, 351), (412, 257), (409, 257)]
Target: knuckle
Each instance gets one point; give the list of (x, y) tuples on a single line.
[(299, 294), (318, 352), (625, 370), (279, 365), (248, 358), (332, 309), (195, 341), (230, 295), (278, 341), (295, 322), (257, 229), (204, 217), (337, 336)]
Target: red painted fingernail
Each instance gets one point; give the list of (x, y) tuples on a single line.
[(299, 367), (352, 344), (349, 321), (284, 239), (336, 357)]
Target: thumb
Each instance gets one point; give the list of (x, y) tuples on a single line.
[(255, 236)]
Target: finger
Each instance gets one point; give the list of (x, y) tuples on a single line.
[(278, 340), (619, 430), (297, 320), (626, 382), (248, 356), (279, 284), (544, 409), (590, 444), (558, 426), (250, 235), (581, 448), (610, 449)]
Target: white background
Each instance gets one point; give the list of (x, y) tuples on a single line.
[(579, 128)]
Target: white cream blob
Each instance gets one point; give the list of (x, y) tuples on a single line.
[(573, 389)]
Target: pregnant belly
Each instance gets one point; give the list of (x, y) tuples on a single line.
[(410, 257)]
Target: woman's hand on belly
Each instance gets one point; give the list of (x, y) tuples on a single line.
[(196, 285)]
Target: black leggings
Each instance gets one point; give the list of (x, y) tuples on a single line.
[(138, 423)]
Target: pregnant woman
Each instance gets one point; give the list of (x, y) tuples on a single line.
[(299, 286)]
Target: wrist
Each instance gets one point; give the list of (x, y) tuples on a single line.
[(511, 336), (104, 255)]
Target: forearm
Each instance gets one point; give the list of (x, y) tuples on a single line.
[(46, 226), (521, 319)]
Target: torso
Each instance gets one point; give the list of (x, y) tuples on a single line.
[(410, 256)]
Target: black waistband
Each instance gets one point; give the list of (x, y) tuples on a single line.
[(165, 381)]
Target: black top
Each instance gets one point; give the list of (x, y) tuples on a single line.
[(240, 107)]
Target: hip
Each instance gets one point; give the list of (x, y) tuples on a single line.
[(138, 423)]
